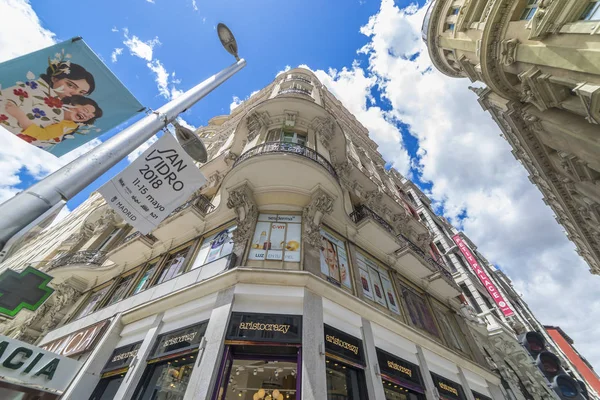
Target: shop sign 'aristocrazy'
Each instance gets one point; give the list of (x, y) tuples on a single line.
[(31, 366), (398, 369), (343, 345), (265, 327)]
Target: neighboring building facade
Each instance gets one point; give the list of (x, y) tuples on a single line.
[(541, 65), (300, 270), (565, 343)]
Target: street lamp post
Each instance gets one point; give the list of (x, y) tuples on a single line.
[(27, 206)]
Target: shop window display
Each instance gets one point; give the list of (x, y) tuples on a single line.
[(344, 382), (418, 311), (334, 260), (107, 388), (215, 247), (376, 283), (394, 391), (277, 237), (168, 380)]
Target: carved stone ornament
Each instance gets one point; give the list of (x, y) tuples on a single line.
[(230, 158), (324, 127), (108, 218), (242, 202), (312, 215), (256, 121), (508, 51)]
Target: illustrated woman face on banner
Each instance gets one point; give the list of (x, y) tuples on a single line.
[(329, 254)]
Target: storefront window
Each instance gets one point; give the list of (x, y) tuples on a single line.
[(401, 379), (334, 259), (252, 379), (107, 388), (144, 281), (344, 382), (92, 302), (214, 247), (277, 237), (418, 311), (376, 283), (170, 366), (173, 266), (121, 289)]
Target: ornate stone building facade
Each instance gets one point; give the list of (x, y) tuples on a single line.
[(301, 270), (541, 65)]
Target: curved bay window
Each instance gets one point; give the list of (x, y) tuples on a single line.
[(277, 237), (170, 364)]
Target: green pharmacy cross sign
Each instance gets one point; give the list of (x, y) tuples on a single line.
[(27, 289)]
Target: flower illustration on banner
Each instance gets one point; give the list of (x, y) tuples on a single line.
[(53, 102), (32, 84), (21, 94), (37, 113)]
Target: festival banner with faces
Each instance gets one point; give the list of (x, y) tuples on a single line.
[(277, 237), (334, 259), (376, 283)]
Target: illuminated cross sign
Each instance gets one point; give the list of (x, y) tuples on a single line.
[(27, 289)]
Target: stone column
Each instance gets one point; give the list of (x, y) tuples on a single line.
[(86, 380), (321, 203), (242, 202), (314, 380), (138, 364), (205, 373), (465, 384), (373, 375), (431, 392)]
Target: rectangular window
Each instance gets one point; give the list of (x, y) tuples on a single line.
[(144, 280), (334, 259), (92, 302), (121, 289), (455, 11), (529, 10), (104, 245), (344, 382), (173, 266), (214, 247), (376, 283), (470, 298), (591, 12), (418, 311), (449, 27), (293, 137), (451, 331), (277, 237)]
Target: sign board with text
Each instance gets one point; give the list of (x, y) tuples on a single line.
[(77, 342), (156, 183), (27, 365), (483, 276)]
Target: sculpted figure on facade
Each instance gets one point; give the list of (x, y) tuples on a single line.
[(241, 200), (312, 215)]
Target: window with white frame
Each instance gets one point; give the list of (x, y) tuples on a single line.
[(277, 237), (529, 10), (591, 12), (215, 246)]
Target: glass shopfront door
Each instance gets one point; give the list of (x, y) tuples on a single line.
[(393, 391), (345, 382)]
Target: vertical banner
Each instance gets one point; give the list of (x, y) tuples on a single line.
[(483, 277), (153, 185), (61, 97)]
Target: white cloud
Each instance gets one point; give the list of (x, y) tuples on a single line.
[(138, 47), (237, 101), (116, 52), (114, 29), (471, 170), (21, 31), (194, 5), (286, 69), (150, 1)]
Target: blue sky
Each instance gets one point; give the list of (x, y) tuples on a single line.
[(370, 55)]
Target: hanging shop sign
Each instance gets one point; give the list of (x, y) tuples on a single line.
[(483, 276), (343, 345), (31, 366), (178, 341), (77, 342), (448, 389), (122, 357), (26, 289), (479, 396), (280, 328), (153, 185), (399, 369), (61, 97)]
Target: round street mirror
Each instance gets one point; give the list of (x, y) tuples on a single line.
[(227, 40), (190, 142)]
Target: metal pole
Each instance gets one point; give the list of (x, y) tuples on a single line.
[(17, 212)]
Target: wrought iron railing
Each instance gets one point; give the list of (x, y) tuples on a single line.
[(361, 212), (295, 91), (408, 243), (138, 234), (88, 257), (291, 148), (201, 202), (299, 78)]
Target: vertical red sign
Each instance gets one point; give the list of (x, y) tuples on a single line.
[(483, 277)]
